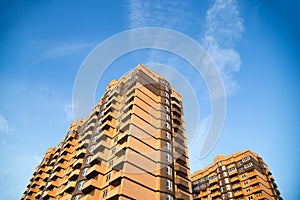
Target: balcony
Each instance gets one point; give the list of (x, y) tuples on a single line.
[(77, 164), (74, 175), (81, 153), (181, 183), (238, 193), (70, 187), (116, 178), (49, 193), (235, 186), (216, 194), (181, 196), (118, 163), (90, 185), (56, 174), (179, 148), (87, 197), (181, 159), (181, 171), (234, 179), (95, 170), (113, 193)]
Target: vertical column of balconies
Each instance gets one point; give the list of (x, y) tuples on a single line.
[(96, 161), (38, 180), (181, 165)]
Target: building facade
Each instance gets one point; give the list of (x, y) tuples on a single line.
[(243, 175), (132, 145)]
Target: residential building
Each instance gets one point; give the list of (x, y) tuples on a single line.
[(132, 145), (242, 175)]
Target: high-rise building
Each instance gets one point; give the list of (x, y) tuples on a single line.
[(242, 175), (132, 145)]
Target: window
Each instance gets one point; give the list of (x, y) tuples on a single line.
[(222, 189), (228, 187), (80, 185), (218, 170), (239, 163), (113, 151), (231, 169), (167, 88), (244, 176), (168, 158), (167, 102), (223, 168), (168, 125), (95, 138), (92, 148), (77, 197), (88, 159), (84, 172), (246, 159), (166, 94), (220, 182), (104, 193), (167, 109), (107, 178), (102, 113), (230, 194), (226, 180), (169, 185), (248, 190), (246, 183), (169, 170), (168, 146), (248, 165), (168, 135), (225, 174), (169, 197), (110, 164), (167, 117), (250, 198)]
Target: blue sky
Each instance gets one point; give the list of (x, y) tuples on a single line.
[(254, 43)]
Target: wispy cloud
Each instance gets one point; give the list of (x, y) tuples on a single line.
[(223, 31), (4, 128), (161, 13), (68, 108), (64, 49)]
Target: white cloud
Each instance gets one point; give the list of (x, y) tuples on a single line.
[(161, 13), (68, 108), (223, 30), (63, 50), (4, 128)]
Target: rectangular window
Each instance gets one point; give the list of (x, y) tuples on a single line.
[(169, 185), (80, 185), (169, 197), (168, 158), (84, 172), (107, 178), (88, 160), (169, 170), (110, 164), (168, 146), (77, 197), (167, 102), (168, 135), (168, 125), (104, 193), (167, 117), (166, 94), (167, 109)]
